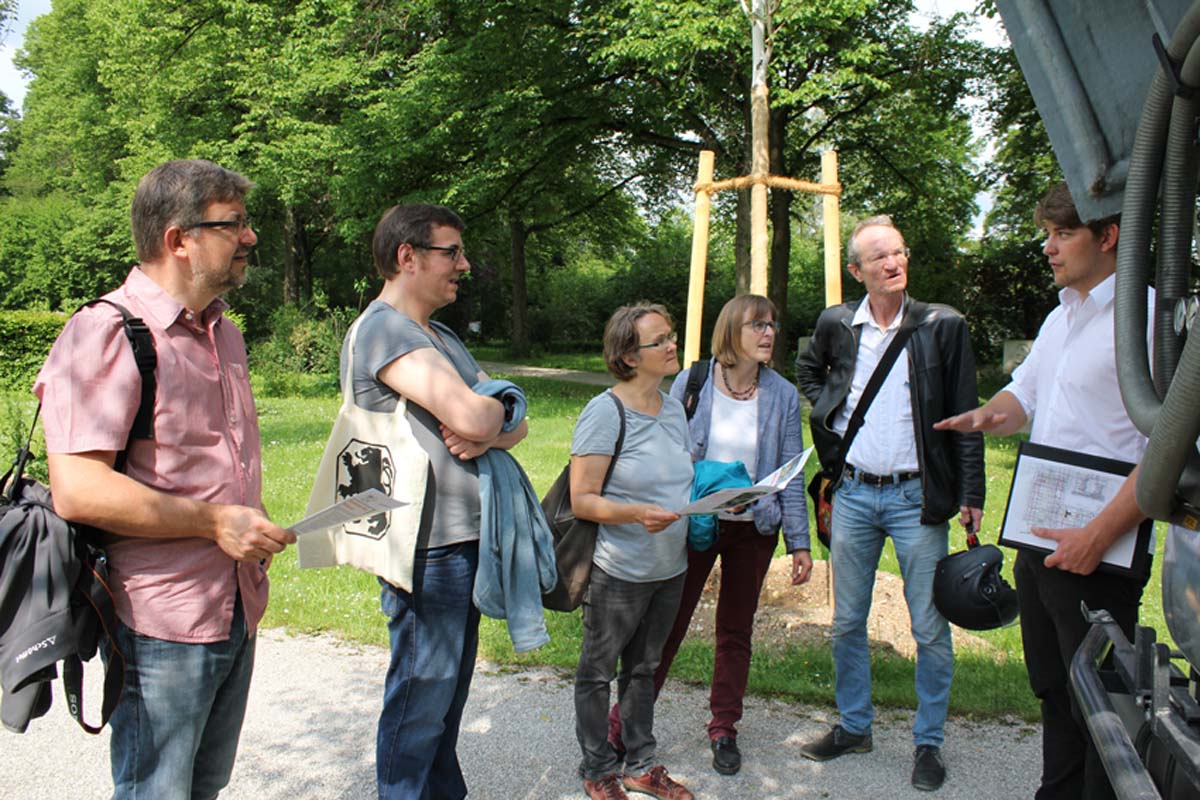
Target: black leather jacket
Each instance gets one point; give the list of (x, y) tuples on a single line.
[(940, 357)]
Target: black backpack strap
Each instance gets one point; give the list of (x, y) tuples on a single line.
[(11, 480), (620, 438), (101, 626), (142, 342), (697, 377)]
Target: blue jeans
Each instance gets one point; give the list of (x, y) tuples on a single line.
[(434, 633), (862, 517), (629, 621), (175, 730)]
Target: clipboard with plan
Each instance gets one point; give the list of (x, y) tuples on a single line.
[(1055, 488)]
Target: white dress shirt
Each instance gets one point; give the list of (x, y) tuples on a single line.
[(886, 443), (1068, 383)]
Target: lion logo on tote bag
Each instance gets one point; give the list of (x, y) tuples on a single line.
[(361, 466)]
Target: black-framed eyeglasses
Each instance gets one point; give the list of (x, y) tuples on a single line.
[(239, 224), (455, 251), (761, 326), (662, 341), (881, 257)]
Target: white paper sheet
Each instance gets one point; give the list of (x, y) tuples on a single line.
[(356, 506)]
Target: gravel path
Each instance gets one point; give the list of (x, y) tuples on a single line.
[(310, 733)]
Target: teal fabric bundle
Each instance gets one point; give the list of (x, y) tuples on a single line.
[(709, 477)]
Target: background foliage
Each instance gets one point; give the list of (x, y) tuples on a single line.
[(565, 131)]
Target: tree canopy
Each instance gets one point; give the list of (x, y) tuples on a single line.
[(565, 132)]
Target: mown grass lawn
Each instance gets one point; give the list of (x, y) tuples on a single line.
[(345, 602)]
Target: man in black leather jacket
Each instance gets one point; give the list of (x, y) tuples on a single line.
[(899, 478)]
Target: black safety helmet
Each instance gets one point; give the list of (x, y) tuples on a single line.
[(968, 589)]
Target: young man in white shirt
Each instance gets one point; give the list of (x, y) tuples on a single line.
[(1068, 386)]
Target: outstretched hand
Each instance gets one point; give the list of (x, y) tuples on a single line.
[(972, 421)]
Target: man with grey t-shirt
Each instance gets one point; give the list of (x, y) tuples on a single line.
[(434, 629)]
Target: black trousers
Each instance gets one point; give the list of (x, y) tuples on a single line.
[(1052, 628)]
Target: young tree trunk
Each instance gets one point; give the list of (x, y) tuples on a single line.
[(520, 295)]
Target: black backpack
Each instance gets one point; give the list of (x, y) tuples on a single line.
[(55, 603)]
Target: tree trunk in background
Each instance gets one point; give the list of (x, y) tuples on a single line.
[(781, 232), (741, 244), (520, 294), (291, 262)]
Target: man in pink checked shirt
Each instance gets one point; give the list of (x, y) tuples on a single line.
[(188, 541)]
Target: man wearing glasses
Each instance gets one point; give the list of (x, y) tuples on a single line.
[(400, 351), (187, 538), (899, 478)]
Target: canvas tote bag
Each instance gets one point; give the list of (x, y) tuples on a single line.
[(369, 449)]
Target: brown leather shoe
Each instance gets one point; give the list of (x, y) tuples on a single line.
[(658, 783), (607, 788)]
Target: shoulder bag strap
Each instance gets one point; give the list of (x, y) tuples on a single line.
[(620, 438), (697, 377), (912, 317)]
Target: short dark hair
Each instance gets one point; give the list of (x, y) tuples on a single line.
[(176, 193), (408, 223), (877, 221), (1058, 208), (727, 333), (621, 336)]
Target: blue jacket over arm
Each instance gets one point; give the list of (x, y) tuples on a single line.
[(516, 548)]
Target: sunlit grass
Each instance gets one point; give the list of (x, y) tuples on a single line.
[(345, 601)]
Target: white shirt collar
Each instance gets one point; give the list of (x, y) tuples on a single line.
[(862, 314), (1101, 294)]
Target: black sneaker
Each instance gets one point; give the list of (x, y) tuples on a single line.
[(929, 772), (837, 742), (727, 759)]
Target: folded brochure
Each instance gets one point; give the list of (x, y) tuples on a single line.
[(724, 499)]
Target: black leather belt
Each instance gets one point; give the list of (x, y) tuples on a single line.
[(879, 480)]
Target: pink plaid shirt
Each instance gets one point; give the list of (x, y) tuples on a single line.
[(205, 446)]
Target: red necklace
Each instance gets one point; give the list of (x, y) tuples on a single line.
[(744, 394)]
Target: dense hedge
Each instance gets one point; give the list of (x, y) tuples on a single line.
[(25, 340)]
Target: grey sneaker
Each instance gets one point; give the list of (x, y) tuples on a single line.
[(836, 743), (929, 771)]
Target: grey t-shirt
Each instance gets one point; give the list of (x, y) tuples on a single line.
[(451, 511), (655, 466)]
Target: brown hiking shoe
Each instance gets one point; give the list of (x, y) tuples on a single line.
[(658, 783), (607, 788)]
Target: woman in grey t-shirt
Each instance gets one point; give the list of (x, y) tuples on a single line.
[(641, 560)]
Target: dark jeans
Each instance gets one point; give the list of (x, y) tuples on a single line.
[(1052, 628), (434, 633), (629, 621)]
